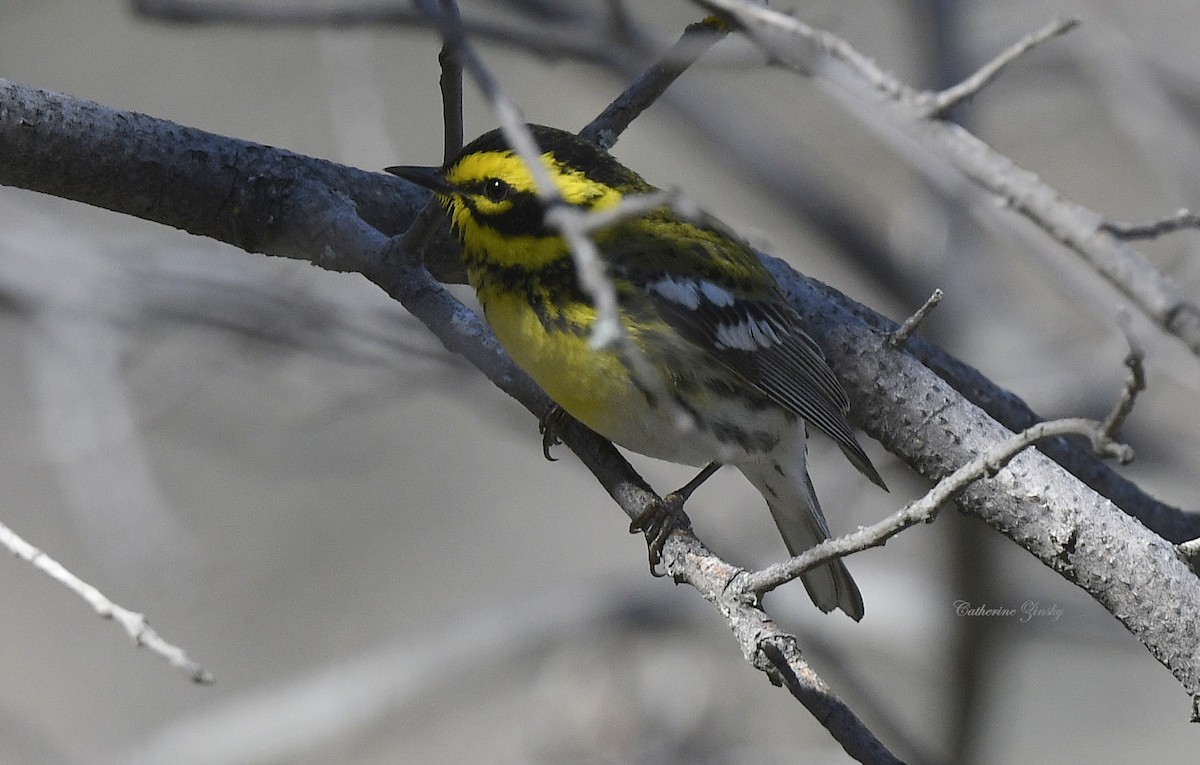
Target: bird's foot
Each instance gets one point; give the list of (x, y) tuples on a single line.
[(550, 426), (662, 517)]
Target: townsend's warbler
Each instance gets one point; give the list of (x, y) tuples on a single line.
[(693, 299)]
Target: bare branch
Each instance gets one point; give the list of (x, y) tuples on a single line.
[(249, 12), (574, 37), (632, 205), (451, 84), (59, 145), (521, 140), (1133, 386), (901, 120), (647, 87), (1169, 224), (577, 226), (1167, 521), (1132, 572), (925, 509), (798, 677), (134, 624), (766, 646), (900, 336), (937, 104)]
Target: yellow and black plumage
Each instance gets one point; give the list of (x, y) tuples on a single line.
[(695, 301)]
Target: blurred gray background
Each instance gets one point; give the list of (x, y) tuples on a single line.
[(358, 535)]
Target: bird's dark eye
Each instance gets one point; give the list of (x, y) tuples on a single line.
[(496, 190)]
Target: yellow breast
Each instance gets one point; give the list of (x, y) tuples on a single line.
[(592, 386)]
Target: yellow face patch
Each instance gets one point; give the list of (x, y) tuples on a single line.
[(470, 175), (576, 188)]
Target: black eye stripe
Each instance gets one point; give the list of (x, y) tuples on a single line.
[(523, 217)]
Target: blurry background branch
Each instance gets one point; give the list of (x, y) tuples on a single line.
[(549, 30), (906, 117)]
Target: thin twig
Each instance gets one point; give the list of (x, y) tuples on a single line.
[(517, 134), (134, 624), (797, 676), (988, 463), (937, 104), (766, 646), (576, 227), (647, 87), (1135, 384), (898, 338), (587, 222), (771, 28), (1180, 219), (925, 509), (451, 84)]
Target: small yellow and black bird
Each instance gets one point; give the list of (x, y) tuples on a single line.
[(693, 298)]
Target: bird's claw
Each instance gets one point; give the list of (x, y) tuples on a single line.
[(550, 426), (657, 522), (661, 518)]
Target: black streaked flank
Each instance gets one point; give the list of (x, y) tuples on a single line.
[(753, 441)]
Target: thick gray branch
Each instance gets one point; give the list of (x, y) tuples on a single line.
[(205, 184), (1131, 571)]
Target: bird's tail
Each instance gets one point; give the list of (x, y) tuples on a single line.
[(783, 480)]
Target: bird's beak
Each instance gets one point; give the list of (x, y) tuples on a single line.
[(427, 177)]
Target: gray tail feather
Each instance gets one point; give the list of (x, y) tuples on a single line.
[(793, 502)]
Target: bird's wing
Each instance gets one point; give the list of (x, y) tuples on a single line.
[(742, 321)]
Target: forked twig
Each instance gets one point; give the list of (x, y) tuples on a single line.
[(938, 103), (923, 510)]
